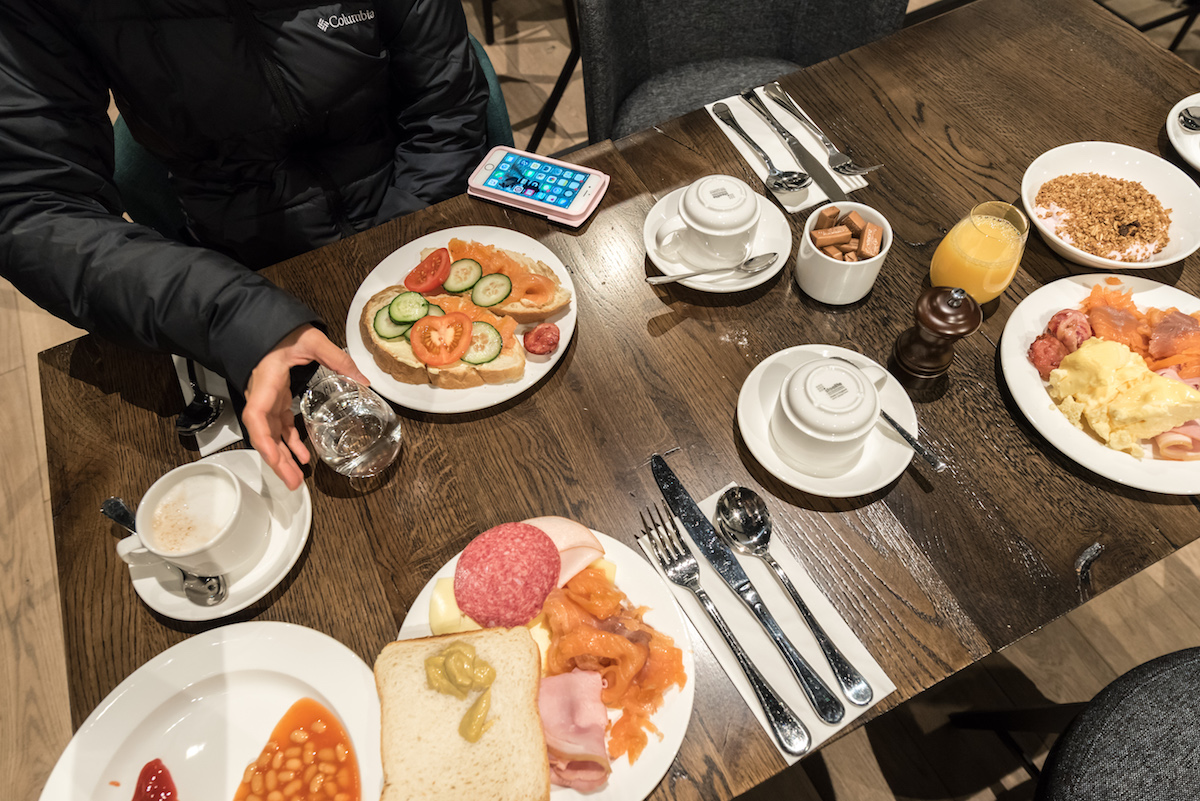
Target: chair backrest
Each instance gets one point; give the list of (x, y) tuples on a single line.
[(151, 200), (499, 126), (627, 43)]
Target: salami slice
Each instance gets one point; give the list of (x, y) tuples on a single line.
[(504, 575)]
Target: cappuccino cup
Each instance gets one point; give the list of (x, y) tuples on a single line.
[(201, 518), (714, 226), (826, 410)]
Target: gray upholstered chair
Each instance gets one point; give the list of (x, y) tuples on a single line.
[(646, 61), (1137, 740)]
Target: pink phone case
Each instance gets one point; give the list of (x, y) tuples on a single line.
[(503, 198)]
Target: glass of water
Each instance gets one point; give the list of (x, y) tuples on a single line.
[(352, 429)]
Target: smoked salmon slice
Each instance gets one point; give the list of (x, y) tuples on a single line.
[(594, 627), (1114, 316), (507, 326)]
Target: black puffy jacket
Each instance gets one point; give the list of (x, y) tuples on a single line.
[(285, 125)]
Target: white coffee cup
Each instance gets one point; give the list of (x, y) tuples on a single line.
[(826, 410), (715, 225), (837, 283), (201, 518)]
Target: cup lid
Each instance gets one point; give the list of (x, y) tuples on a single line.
[(719, 204), (832, 399)]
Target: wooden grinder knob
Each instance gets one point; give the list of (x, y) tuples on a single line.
[(944, 315)]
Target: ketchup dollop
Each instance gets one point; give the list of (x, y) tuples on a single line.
[(154, 783)]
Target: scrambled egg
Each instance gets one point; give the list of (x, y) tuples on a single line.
[(1123, 401)]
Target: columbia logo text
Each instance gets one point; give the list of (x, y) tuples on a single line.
[(342, 20)]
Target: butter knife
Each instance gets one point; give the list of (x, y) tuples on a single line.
[(721, 557), (808, 162)]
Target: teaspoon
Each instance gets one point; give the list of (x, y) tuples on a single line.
[(1190, 118), (936, 462), (200, 590), (202, 412), (754, 264), (743, 519)]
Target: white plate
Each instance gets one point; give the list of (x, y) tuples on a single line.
[(426, 397), (773, 235), (884, 456), (1173, 188), (1029, 320), (206, 707), (161, 586), (1187, 143), (639, 580)]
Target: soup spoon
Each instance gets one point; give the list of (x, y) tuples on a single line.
[(754, 264), (200, 590), (743, 519), (777, 180), (1190, 118), (202, 412)]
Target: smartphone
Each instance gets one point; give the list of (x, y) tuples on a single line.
[(556, 190)]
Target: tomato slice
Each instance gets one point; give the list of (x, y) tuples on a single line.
[(429, 275), (438, 341)]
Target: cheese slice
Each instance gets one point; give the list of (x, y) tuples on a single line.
[(444, 615)]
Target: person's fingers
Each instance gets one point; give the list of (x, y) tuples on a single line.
[(291, 438), (330, 355)]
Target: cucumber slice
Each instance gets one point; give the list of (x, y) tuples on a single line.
[(486, 344), (464, 273), (387, 328), (408, 307), (491, 289)]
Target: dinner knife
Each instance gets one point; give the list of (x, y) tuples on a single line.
[(721, 557), (808, 162)]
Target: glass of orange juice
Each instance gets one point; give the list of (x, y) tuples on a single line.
[(982, 251)]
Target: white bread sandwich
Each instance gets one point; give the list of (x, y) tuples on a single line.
[(494, 354), (424, 754), (536, 293)]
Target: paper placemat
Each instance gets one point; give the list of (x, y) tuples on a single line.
[(768, 140), (758, 645), (226, 430)]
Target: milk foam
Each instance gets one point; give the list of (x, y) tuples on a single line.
[(192, 513)]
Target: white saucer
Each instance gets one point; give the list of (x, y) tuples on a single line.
[(773, 234), (885, 454), (161, 586), (1186, 143)]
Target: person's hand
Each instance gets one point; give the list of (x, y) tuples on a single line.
[(268, 414)]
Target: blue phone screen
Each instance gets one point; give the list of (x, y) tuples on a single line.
[(524, 176)]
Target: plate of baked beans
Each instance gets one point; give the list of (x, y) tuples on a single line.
[(257, 709)]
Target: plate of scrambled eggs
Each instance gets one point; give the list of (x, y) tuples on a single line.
[(1108, 395)]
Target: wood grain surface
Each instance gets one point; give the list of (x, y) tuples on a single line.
[(933, 572)]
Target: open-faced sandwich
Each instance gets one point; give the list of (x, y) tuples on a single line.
[(465, 316)]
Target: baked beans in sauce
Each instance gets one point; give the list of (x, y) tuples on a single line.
[(308, 758), (154, 783)]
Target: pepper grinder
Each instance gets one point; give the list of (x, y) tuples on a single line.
[(922, 354)]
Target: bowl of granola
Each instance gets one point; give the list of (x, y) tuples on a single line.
[(1112, 206)]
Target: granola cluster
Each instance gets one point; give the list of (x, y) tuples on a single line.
[(1107, 217)]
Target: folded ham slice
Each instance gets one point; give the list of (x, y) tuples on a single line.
[(574, 720), (577, 545), (1182, 443)]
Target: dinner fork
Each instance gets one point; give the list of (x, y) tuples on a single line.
[(683, 569), (838, 161)]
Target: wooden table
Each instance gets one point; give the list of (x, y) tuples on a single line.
[(933, 572)]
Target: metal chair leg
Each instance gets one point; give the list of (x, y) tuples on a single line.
[(489, 25), (564, 78)]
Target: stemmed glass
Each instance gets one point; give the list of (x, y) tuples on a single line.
[(351, 428), (982, 251)]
